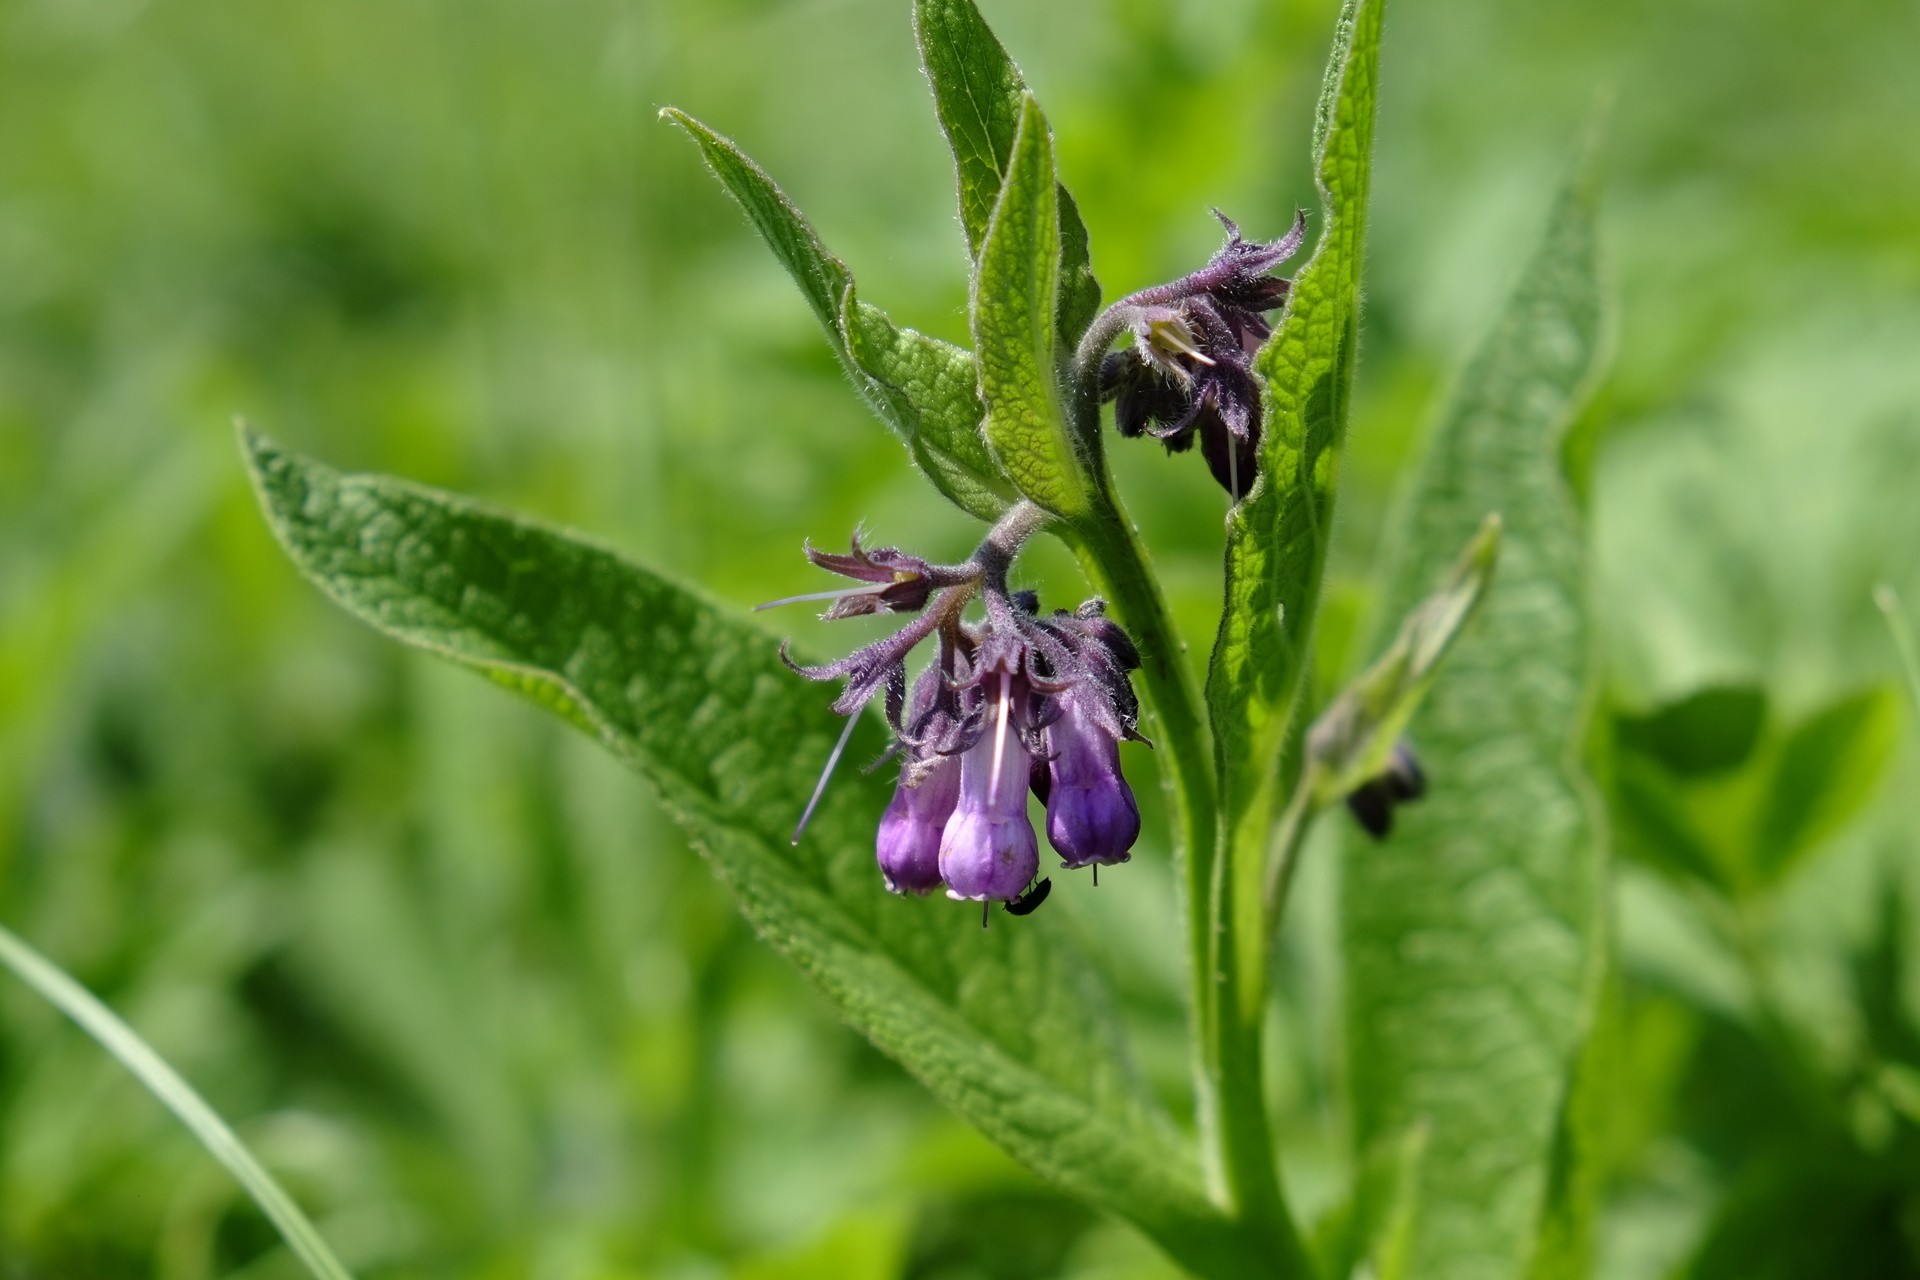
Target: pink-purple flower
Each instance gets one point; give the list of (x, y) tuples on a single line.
[(1014, 703)]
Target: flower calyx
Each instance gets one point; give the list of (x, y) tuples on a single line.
[(898, 582)]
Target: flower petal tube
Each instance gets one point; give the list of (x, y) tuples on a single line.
[(1091, 814), (988, 850), (908, 842)]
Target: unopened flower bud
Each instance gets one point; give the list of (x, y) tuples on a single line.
[(1372, 802)]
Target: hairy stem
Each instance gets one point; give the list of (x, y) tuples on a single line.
[(1230, 1100), (994, 556)]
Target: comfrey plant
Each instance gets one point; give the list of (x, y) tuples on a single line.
[(1469, 931), (1045, 702)]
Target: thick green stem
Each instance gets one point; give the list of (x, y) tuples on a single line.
[(1284, 859), (1223, 905), (1230, 1101)]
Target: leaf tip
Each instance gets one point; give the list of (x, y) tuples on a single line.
[(1486, 543), (1030, 112), (703, 137), (257, 449)]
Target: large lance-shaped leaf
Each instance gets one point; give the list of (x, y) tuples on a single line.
[(1005, 1026), (1277, 538), (977, 93), (922, 388), (1472, 936), (1013, 294)]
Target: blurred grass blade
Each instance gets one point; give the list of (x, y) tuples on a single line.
[(1277, 538), (1499, 871), (978, 94), (1013, 293), (922, 388), (161, 1080), (1369, 1233), (1009, 1026), (1888, 602)]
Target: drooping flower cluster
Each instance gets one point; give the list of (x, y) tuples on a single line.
[(1019, 702), (1188, 370)]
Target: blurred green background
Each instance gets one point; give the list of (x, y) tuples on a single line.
[(445, 966)]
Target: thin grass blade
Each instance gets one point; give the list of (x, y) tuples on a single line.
[(166, 1084)]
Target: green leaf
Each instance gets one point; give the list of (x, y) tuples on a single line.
[(1584, 1147), (1006, 1026), (933, 387), (922, 388), (1277, 538), (978, 95), (1013, 293), (1660, 823), (1352, 740), (1887, 600), (1711, 731), (1681, 781), (1705, 792), (1826, 770), (1472, 938), (179, 1097)]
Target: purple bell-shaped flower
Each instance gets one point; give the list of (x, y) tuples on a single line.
[(1091, 815), (908, 842), (988, 850)]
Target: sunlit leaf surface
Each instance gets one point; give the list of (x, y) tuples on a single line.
[(1471, 934)]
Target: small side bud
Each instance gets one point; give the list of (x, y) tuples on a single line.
[(1372, 802)]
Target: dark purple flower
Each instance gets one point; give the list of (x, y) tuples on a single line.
[(1239, 279), (1189, 371), (908, 842)]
